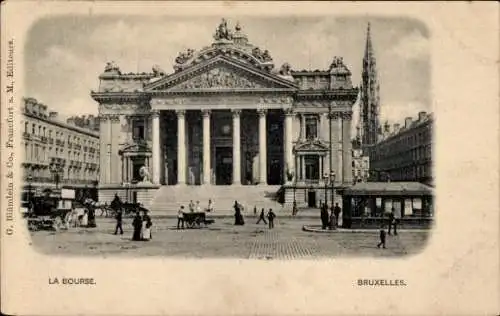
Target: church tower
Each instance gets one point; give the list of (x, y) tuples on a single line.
[(369, 99)]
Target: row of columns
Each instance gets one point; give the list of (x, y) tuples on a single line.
[(181, 150)]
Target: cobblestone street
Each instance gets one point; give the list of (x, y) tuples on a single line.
[(224, 240)]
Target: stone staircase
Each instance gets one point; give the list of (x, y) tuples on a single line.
[(168, 199)]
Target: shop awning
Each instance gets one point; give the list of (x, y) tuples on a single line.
[(388, 189)]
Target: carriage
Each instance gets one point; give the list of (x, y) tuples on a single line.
[(49, 212), (196, 220)]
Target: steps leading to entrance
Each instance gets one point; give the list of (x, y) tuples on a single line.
[(168, 199)]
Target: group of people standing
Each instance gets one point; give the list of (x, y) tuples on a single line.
[(330, 220), (142, 224)]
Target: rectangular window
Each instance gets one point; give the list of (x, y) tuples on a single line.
[(311, 127), (138, 129)]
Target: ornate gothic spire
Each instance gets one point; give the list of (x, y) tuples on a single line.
[(370, 100)]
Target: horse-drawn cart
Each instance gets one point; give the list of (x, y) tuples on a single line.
[(197, 220)]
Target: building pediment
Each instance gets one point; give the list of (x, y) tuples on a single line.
[(311, 146), (221, 74)]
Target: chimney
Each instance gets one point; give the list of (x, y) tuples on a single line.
[(421, 116), (408, 122), (52, 114), (396, 127)]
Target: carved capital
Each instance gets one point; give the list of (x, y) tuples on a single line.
[(114, 118), (335, 115), (347, 116), (180, 113), (262, 112), (155, 113), (236, 113), (289, 112), (206, 112), (103, 117)]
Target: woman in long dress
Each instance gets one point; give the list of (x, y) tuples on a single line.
[(137, 223), (85, 219), (146, 227)]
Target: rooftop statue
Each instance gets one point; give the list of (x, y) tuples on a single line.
[(111, 66), (337, 62), (222, 32), (184, 56), (285, 69), (157, 71)]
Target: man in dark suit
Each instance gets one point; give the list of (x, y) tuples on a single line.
[(118, 217)]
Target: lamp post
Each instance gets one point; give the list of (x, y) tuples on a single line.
[(332, 183), (325, 179), (55, 169)]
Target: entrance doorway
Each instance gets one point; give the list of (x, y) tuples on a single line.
[(223, 165), (274, 172), (311, 198)]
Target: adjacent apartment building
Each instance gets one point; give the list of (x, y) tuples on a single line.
[(404, 153), (58, 153)]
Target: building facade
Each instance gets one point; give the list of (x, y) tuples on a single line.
[(405, 153), (225, 116), (57, 152)]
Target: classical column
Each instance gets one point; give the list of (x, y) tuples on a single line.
[(340, 148), (303, 167), (347, 147), (130, 169), (303, 126), (206, 146), (106, 167), (288, 141), (181, 147), (236, 147), (155, 118), (262, 147)]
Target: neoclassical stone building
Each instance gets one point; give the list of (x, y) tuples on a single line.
[(225, 116)]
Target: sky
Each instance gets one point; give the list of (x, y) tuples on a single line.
[(64, 55)]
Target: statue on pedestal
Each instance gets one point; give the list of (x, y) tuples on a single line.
[(222, 32), (144, 173)]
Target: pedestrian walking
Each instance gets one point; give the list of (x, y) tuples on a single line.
[(382, 237), (271, 216), (255, 211), (180, 217), (294, 208), (191, 206), (137, 224), (198, 207), (119, 217), (262, 217), (337, 210)]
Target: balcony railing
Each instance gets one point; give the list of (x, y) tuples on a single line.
[(26, 135)]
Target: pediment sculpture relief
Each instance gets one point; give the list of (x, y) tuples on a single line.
[(219, 78)]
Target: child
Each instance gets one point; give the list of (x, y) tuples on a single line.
[(382, 237)]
